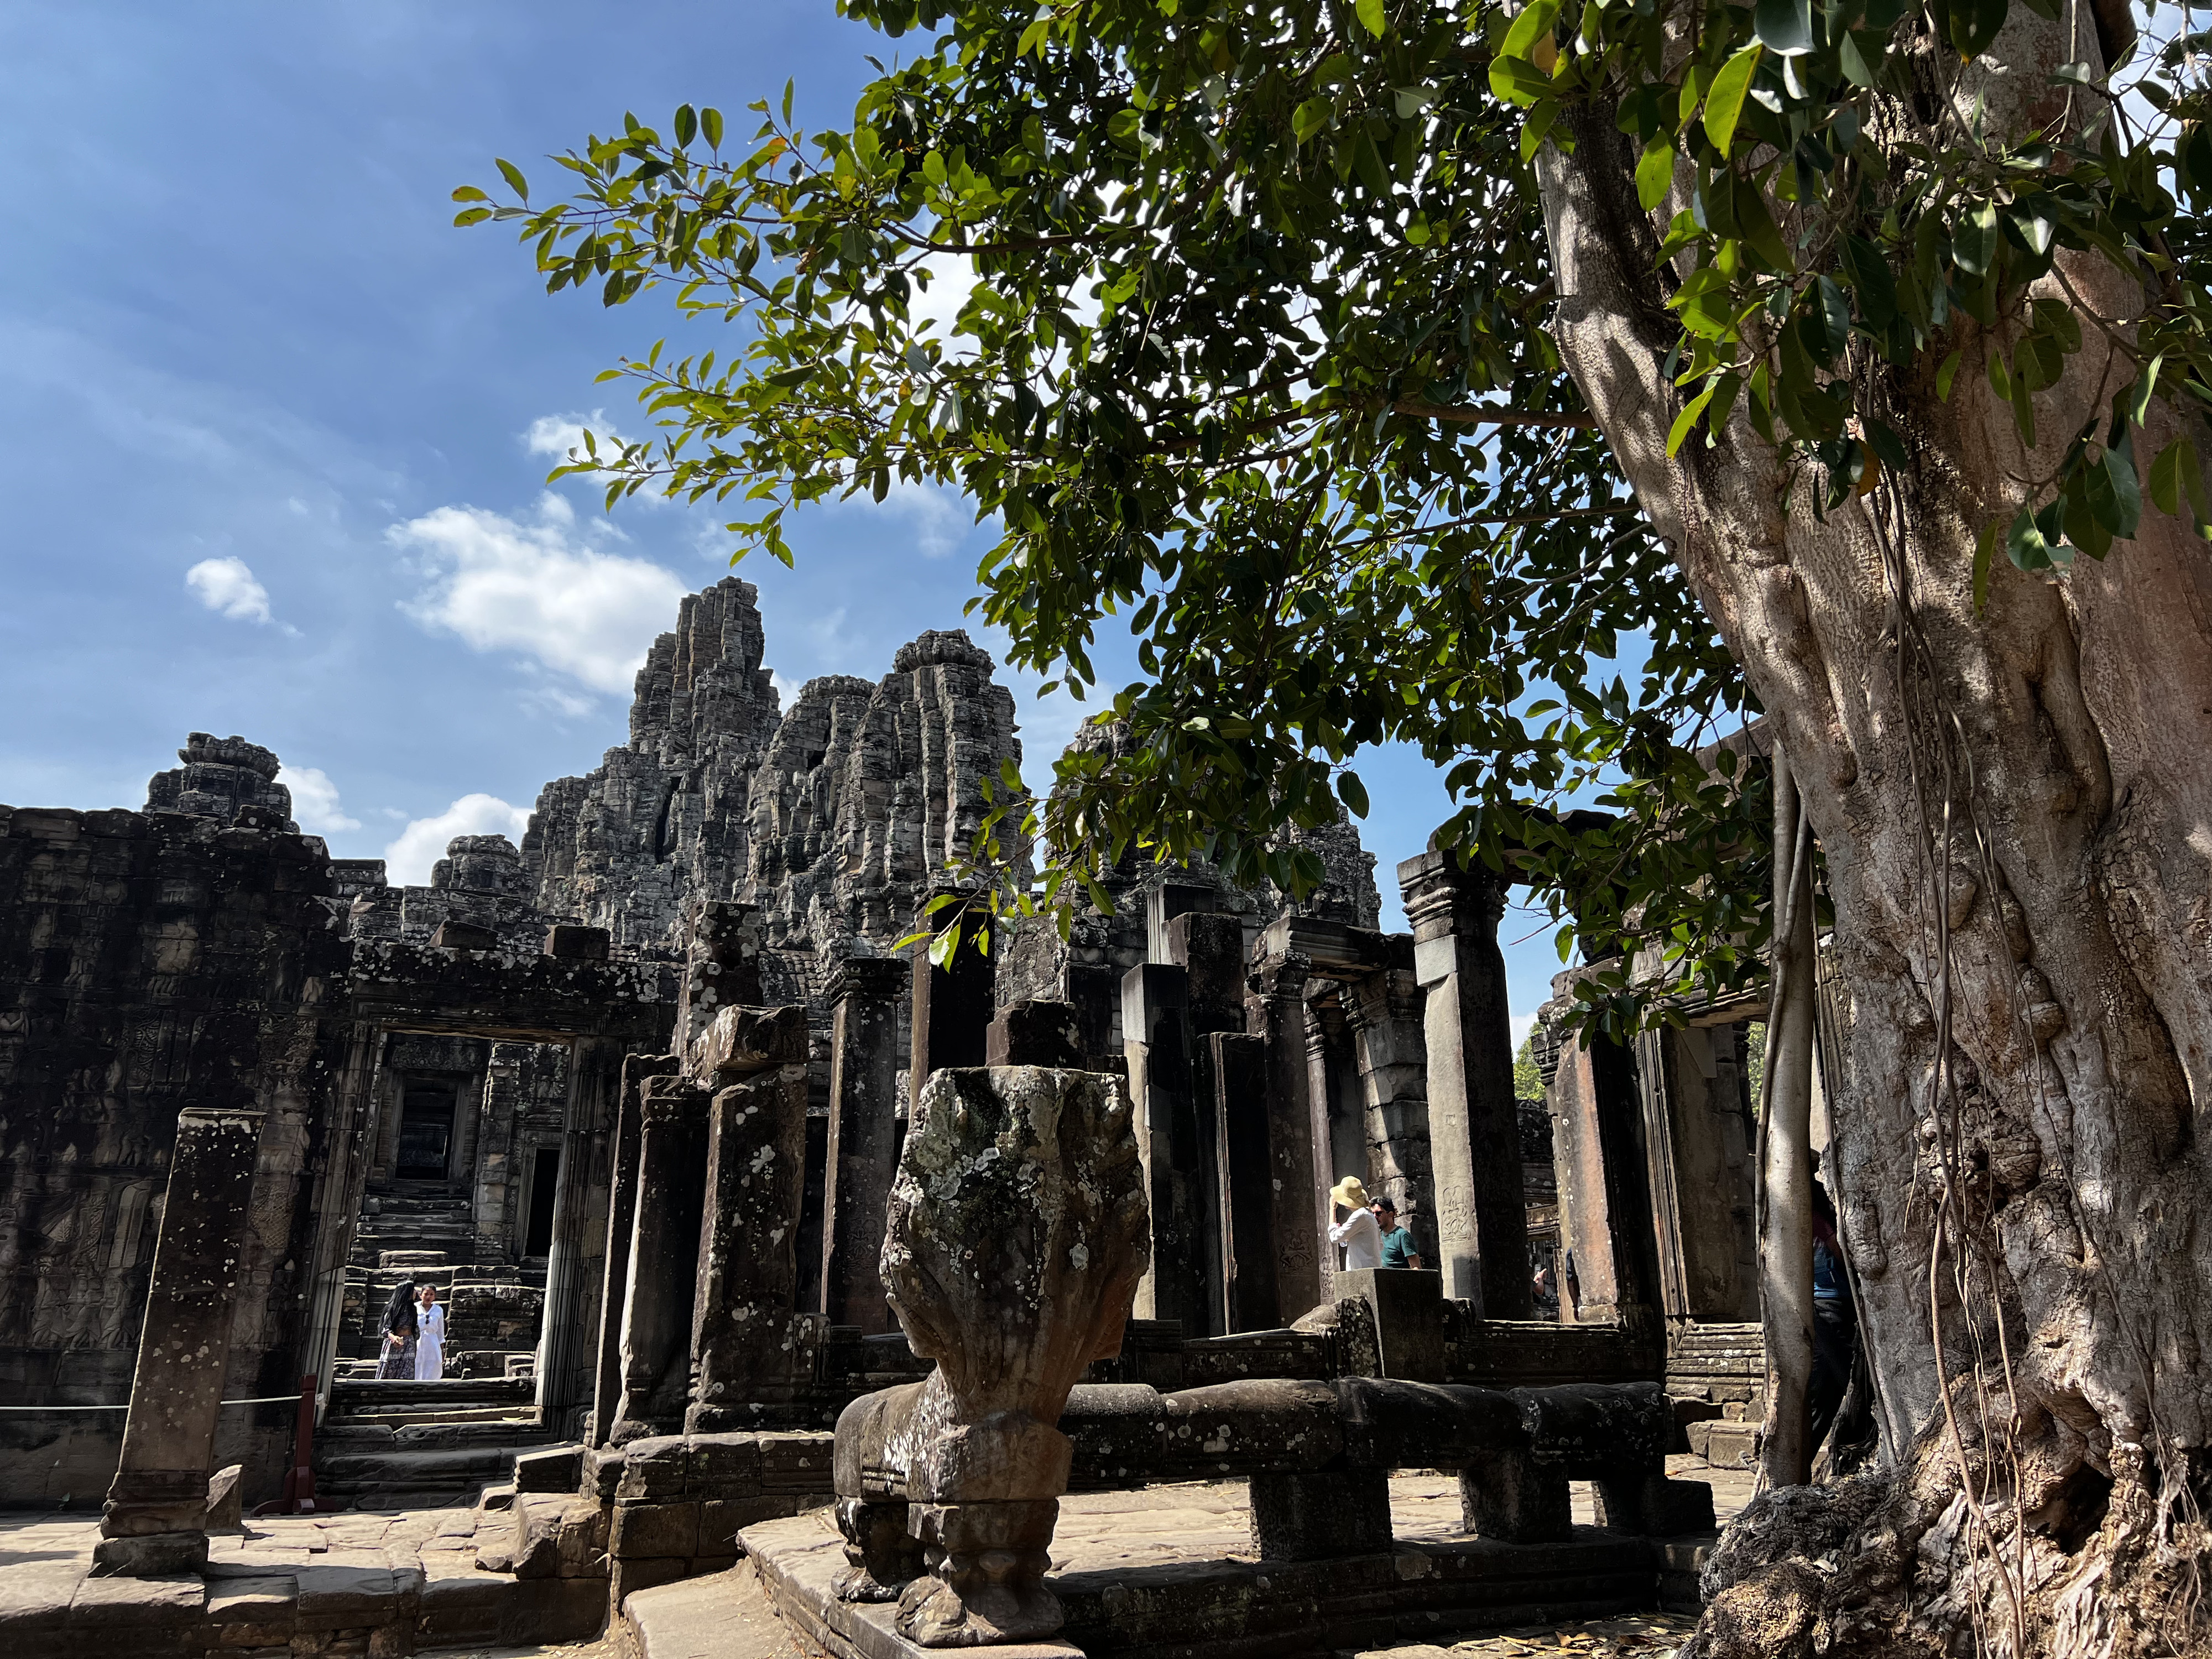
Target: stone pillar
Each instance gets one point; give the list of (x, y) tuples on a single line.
[(1243, 1164), (1474, 1137), (752, 1351), (663, 1259), (1155, 1042), (1605, 1206), (953, 1005), (1390, 1057), (1699, 1137), (1297, 1131), (621, 1217), (863, 1138), (155, 1522), (722, 966), (567, 1345), (1333, 1075)]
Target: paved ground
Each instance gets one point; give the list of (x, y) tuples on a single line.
[(1097, 1532)]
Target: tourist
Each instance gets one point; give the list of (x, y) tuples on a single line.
[(395, 1363), (1399, 1249), (1357, 1233), (430, 1347)]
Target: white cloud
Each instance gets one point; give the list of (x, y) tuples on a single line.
[(556, 435), (227, 585), (315, 799), (541, 589), (1518, 1027), (407, 859), (940, 518)]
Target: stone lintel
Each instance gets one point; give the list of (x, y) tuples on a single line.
[(745, 1041)]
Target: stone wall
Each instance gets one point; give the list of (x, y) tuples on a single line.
[(151, 962)]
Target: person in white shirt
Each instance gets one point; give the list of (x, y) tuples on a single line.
[(1359, 1233), (430, 1339)]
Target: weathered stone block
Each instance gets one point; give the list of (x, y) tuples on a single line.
[(451, 935), (1034, 1034), (628, 1576), (577, 944), (1408, 1308), (742, 1041), (1312, 1517), (797, 1461), (725, 1465), (645, 1528), (657, 1467), (557, 1468)]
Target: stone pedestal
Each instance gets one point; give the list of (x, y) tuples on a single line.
[(721, 968), (663, 1262), (155, 1521), (1475, 1141), (953, 1005), (1407, 1307), (863, 1138), (751, 1351), (622, 1219)]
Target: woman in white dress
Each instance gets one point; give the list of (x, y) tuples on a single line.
[(429, 1337)]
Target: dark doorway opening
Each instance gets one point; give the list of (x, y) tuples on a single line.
[(544, 1184), (426, 1132)]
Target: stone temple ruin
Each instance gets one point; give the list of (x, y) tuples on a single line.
[(782, 1264)]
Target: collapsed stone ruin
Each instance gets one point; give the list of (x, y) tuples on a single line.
[(695, 1154)]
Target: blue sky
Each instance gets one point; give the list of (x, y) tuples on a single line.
[(275, 435)]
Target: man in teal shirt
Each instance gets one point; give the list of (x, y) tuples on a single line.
[(1399, 1249)]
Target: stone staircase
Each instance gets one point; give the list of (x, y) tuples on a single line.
[(1717, 1376), (423, 1445)]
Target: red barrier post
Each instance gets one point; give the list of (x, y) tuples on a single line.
[(300, 1481)]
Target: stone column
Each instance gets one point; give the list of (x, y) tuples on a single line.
[(1155, 1042), (663, 1259), (953, 1006), (155, 1522), (1383, 1015), (1298, 1130), (1474, 1137), (1244, 1165), (568, 1345), (722, 966), (863, 1138), (1605, 1204), (1333, 1075), (752, 1351), (621, 1219)]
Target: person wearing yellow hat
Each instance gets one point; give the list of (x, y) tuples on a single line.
[(1359, 1233)]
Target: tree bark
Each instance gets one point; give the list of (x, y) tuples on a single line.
[(1785, 1139), (2017, 823)]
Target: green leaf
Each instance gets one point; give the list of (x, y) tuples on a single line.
[(1944, 375), (1370, 14), (2145, 388), (2119, 470), (710, 126), (515, 181), (686, 124), (1974, 239), (2028, 541), (1785, 28), (1353, 794), (469, 193), (1654, 172), (1311, 117), (1724, 103), (2167, 473), (475, 216), (1532, 24), (1687, 421)]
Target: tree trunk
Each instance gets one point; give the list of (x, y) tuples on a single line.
[(1785, 1142), (2028, 1221)]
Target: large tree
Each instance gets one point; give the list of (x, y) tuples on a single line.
[(1386, 363)]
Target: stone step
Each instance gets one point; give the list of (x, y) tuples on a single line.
[(1723, 1443), (369, 1440), (465, 1464), (347, 1397)]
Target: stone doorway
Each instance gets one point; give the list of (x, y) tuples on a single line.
[(426, 1133)]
